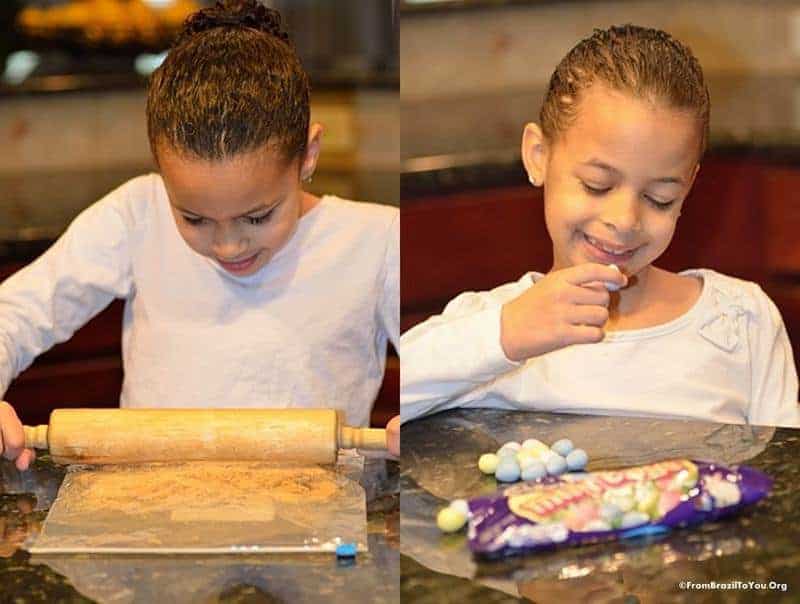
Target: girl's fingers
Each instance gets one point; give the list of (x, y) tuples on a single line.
[(12, 445), (586, 334), (393, 436), (12, 437), (585, 294), (25, 459), (583, 274), (594, 316)]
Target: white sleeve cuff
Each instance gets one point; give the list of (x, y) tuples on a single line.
[(489, 358)]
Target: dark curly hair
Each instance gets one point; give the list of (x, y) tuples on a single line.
[(231, 83), (647, 63)]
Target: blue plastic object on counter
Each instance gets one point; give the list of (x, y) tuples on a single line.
[(346, 550)]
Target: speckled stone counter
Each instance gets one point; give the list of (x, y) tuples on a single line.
[(26, 496), (440, 464)]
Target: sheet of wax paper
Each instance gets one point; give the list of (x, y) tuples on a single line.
[(205, 508), (374, 576), (440, 456)]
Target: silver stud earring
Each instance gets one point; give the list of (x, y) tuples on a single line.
[(534, 182), (308, 178)]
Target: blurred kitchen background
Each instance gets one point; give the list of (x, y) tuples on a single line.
[(474, 72), (73, 79)]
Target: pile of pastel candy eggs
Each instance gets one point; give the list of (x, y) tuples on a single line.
[(532, 460), (513, 461)]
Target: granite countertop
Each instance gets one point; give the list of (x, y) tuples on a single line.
[(25, 498), (463, 142), (440, 464)]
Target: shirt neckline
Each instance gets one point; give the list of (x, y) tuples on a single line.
[(671, 325)]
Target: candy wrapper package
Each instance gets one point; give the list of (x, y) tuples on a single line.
[(574, 509)]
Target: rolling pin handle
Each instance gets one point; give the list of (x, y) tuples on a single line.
[(371, 439), (35, 436)]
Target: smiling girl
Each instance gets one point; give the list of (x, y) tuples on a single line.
[(241, 289), (622, 130)]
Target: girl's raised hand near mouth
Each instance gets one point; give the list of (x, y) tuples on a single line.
[(565, 307)]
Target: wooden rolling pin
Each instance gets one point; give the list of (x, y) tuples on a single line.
[(105, 436)]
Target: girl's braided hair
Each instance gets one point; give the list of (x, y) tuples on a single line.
[(232, 83), (647, 63)]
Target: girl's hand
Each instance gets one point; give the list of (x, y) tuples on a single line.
[(393, 436), (565, 307), (12, 438)]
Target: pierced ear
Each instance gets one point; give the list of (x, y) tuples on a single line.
[(313, 146), (534, 154)]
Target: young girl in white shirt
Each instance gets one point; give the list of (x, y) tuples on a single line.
[(622, 130), (241, 289)]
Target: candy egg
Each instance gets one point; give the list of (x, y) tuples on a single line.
[(530, 443), (487, 463), (556, 532), (612, 287), (547, 455), (507, 470), (626, 504), (461, 506), (519, 538), (535, 446), (724, 493), (621, 497), (525, 457), (597, 525), (534, 471), (449, 520), (610, 512), (563, 446), (647, 500), (556, 465), (503, 453), (506, 452), (512, 444), (577, 459), (686, 479), (634, 518), (580, 514)]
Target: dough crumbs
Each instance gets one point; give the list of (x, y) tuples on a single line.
[(200, 491)]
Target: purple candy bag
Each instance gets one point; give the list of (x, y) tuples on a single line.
[(574, 509)]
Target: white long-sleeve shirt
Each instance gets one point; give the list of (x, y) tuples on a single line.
[(309, 329), (728, 359)]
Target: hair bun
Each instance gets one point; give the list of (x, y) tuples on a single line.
[(236, 13)]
